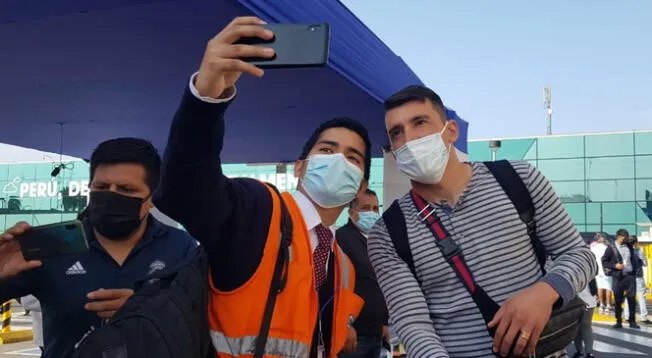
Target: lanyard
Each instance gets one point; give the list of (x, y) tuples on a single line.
[(320, 335)]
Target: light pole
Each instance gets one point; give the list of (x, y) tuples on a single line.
[(547, 103), (494, 145)]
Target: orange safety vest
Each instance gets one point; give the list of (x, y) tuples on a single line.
[(235, 317)]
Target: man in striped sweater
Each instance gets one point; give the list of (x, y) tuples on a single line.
[(433, 314)]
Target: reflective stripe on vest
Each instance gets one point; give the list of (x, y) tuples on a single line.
[(344, 269), (237, 346)]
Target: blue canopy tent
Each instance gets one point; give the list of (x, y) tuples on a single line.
[(86, 71)]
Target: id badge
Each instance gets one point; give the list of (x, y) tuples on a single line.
[(321, 352)]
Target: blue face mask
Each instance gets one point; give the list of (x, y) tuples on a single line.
[(331, 180), (367, 219)]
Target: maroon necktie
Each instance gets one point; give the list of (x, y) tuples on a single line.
[(320, 255)]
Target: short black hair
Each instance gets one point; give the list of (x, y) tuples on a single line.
[(342, 122), (416, 93), (366, 192), (633, 239), (622, 232), (129, 151)]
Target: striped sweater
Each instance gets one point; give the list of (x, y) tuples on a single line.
[(440, 319)]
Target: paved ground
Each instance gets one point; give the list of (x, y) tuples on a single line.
[(609, 342)]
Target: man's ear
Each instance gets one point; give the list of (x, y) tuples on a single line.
[(353, 215), (300, 168), (453, 131)]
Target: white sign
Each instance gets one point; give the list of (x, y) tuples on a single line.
[(49, 189), (284, 182)]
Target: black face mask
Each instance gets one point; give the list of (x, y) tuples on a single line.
[(113, 215)]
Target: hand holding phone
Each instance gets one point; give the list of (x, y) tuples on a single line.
[(12, 261), (294, 45), (53, 240), (222, 64)]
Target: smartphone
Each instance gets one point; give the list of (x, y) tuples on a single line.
[(295, 45), (53, 240)]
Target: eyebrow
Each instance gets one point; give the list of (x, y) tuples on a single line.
[(336, 145), (399, 126)]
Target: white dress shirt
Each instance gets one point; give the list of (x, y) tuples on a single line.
[(307, 208)]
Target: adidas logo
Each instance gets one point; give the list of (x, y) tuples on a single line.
[(76, 269)]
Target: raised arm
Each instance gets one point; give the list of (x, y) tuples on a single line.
[(193, 190), (408, 310)]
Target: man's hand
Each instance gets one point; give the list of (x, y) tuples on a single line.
[(619, 267), (386, 336), (522, 318), (222, 65), (107, 302), (12, 261), (351, 344)]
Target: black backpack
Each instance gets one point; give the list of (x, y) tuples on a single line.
[(564, 322), (165, 318)]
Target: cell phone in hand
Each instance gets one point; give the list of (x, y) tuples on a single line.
[(53, 240), (295, 46)]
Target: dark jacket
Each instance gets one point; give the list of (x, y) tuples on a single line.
[(62, 283), (612, 257), (374, 314), (229, 217)]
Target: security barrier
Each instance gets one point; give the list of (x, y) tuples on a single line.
[(6, 334), (647, 250), (6, 317)]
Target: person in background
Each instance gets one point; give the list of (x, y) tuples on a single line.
[(641, 289), (80, 292), (238, 220), (31, 303), (585, 334), (433, 313), (603, 281), (622, 263), (372, 323)]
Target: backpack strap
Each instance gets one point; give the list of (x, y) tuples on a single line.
[(519, 195), (279, 280), (455, 258), (395, 223)]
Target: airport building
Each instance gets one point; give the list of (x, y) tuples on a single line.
[(603, 179)]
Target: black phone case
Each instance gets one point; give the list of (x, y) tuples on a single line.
[(54, 240), (295, 45)]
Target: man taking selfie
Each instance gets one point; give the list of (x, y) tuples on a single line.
[(256, 238), (80, 292)]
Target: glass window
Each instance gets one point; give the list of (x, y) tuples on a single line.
[(644, 189), (643, 166), (643, 142), (4, 171), (576, 212), (619, 213), (593, 228), (593, 213), (81, 170), (515, 149), (570, 191), (605, 145), (479, 151), (610, 168), (532, 152), (611, 190), (644, 212), (562, 169), (560, 147)]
